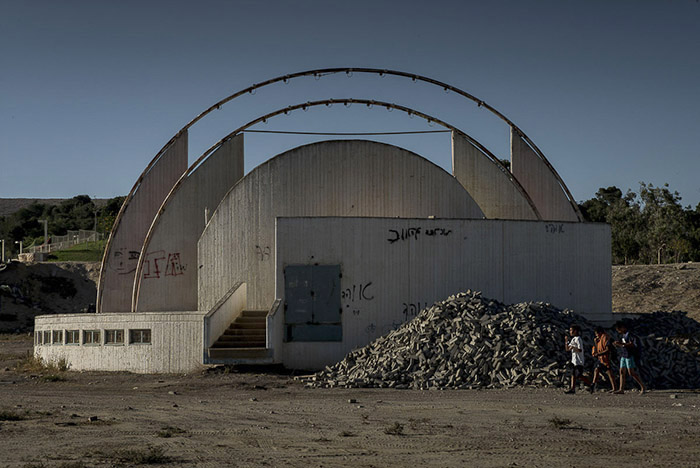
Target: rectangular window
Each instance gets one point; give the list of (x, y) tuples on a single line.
[(57, 337), (140, 336), (47, 336), (72, 337), (114, 337), (91, 337), (37, 338)]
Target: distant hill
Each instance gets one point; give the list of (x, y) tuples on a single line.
[(12, 205)]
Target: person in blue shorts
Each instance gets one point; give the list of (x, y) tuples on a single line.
[(627, 347)]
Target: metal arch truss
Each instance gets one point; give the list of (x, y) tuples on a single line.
[(286, 110), (319, 73)]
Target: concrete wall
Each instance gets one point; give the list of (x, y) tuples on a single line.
[(176, 342), (539, 182), (330, 178), (495, 193), (393, 268), (169, 279), (217, 320), (117, 276)]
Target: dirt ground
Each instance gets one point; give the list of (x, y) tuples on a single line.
[(648, 288), (251, 418), (248, 419)]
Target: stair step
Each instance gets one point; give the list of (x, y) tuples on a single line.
[(240, 344), (240, 353), (242, 337), (254, 313), (245, 325), (243, 331), (260, 320)]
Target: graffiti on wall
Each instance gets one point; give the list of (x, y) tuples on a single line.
[(415, 233), (124, 260), (354, 295), (552, 228), (263, 253), (160, 264)]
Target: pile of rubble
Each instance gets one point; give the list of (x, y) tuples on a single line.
[(670, 349), (469, 341)]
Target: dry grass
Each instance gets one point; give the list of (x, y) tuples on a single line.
[(6, 415), (394, 429), (559, 423), (147, 456), (35, 365)]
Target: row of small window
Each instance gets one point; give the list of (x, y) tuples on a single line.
[(91, 337)]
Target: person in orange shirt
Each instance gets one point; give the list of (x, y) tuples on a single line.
[(602, 350)]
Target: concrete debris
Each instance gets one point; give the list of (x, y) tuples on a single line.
[(470, 342)]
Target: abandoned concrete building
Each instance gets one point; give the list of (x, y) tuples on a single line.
[(324, 248)]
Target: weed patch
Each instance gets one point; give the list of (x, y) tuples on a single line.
[(394, 429), (148, 456), (34, 364), (54, 378), (10, 416), (169, 431), (559, 423)]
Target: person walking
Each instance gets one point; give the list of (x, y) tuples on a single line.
[(575, 346), (603, 350), (629, 348)]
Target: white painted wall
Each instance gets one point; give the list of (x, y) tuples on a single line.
[(539, 182), (330, 178), (117, 275), (176, 345), (217, 320), (492, 189), (566, 264)]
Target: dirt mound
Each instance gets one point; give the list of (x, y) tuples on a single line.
[(650, 288), (27, 290)]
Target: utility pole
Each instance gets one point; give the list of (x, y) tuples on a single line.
[(3, 250)]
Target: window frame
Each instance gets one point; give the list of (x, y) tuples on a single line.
[(71, 333), (95, 337), (140, 332), (114, 343), (58, 333)]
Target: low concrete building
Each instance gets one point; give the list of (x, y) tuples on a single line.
[(321, 250)]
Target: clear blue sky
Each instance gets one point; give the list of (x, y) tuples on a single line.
[(91, 90)]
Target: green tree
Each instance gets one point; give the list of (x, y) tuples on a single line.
[(666, 225)]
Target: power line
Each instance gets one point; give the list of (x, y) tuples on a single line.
[(346, 133)]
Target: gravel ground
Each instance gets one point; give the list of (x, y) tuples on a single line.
[(248, 419)]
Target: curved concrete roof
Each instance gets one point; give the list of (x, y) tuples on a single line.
[(331, 178)]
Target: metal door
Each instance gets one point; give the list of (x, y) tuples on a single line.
[(312, 303)]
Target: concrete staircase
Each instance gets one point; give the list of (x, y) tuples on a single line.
[(244, 340)]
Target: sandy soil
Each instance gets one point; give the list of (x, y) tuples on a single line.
[(214, 418), (648, 288), (252, 418)]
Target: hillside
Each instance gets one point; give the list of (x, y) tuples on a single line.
[(12, 205), (648, 288)]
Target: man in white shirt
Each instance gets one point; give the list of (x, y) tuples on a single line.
[(575, 346)]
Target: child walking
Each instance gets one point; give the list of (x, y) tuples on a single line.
[(603, 351), (575, 346), (629, 347)]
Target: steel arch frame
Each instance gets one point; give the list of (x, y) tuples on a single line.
[(286, 110), (319, 73)]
